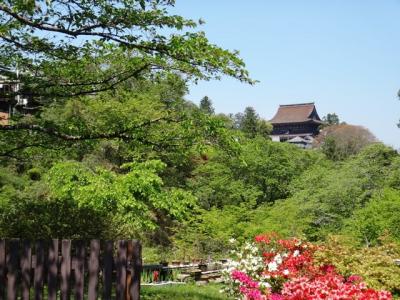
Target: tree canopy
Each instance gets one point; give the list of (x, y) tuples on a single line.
[(206, 105), (342, 140), (251, 123), (331, 119), (68, 48)]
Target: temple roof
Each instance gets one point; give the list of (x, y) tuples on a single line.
[(296, 113)]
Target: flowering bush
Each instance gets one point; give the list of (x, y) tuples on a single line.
[(275, 269), (374, 264)]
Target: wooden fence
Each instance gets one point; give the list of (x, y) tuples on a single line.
[(58, 269)]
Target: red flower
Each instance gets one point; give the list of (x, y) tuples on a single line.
[(293, 275)]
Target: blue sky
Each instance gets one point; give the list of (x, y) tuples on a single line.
[(344, 55)]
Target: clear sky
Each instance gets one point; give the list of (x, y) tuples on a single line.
[(344, 55)]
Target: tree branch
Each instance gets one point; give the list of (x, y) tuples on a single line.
[(96, 136)]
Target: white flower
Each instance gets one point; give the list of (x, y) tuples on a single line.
[(296, 253), (272, 266), (278, 259), (286, 272), (265, 285), (232, 240)]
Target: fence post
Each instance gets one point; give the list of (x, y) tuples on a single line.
[(12, 270), (26, 263), (2, 269), (136, 268), (107, 271), (93, 268), (120, 265), (65, 269), (79, 270), (39, 270), (52, 270)]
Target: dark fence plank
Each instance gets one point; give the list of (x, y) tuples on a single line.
[(79, 270), (65, 269), (134, 289), (12, 270), (107, 272), (16, 259), (129, 270), (120, 266), (39, 270), (26, 270), (93, 267), (2, 269), (52, 270)]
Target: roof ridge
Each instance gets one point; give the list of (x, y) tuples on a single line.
[(298, 104)]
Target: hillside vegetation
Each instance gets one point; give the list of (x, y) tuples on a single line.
[(188, 181)]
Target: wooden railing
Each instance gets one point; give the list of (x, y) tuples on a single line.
[(85, 269)]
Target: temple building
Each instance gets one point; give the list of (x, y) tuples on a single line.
[(296, 123)]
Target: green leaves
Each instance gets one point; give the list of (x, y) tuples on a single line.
[(381, 215), (130, 198), (78, 48)]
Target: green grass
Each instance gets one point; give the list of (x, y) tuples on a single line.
[(183, 292)]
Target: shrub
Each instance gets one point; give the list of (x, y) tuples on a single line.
[(381, 214), (375, 264), (276, 269)]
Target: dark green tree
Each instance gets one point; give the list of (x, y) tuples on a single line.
[(251, 124), (264, 128), (331, 119), (249, 121), (206, 105)]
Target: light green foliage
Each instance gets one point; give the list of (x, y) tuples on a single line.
[(282, 217), (260, 172), (132, 197), (149, 121), (26, 211), (374, 264), (327, 194), (141, 122), (124, 203), (184, 292), (215, 185), (379, 216), (272, 166), (264, 128), (209, 232), (393, 179), (238, 194)]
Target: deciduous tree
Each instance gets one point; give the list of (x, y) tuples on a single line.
[(340, 141), (67, 48)]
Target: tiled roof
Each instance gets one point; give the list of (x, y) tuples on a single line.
[(296, 113)]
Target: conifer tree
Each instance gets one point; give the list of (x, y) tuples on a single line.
[(206, 105)]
